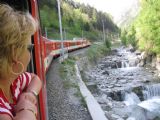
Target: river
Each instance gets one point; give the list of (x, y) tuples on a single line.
[(124, 89)]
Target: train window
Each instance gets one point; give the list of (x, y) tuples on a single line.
[(31, 67), (21, 5), (25, 6)]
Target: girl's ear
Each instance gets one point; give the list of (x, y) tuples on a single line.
[(14, 55)]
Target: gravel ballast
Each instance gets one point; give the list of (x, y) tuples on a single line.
[(62, 103)]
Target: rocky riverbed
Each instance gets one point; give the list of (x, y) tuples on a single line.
[(120, 82)]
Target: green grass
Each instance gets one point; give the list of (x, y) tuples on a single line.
[(65, 66), (67, 70), (78, 94), (97, 51)]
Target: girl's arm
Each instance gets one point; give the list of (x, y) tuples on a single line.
[(25, 110), (33, 89), (5, 117), (35, 84), (29, 96)]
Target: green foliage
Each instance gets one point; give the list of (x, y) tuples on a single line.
[(124, 37), (91, 35), (129, 37), (49, 19), (69, 61), (67, 69), (145, 34), (75, 19), (108, 42), (96, 51)]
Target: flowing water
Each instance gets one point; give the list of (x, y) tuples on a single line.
[(125, 90)]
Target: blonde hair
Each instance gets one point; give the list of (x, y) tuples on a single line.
[(16, 29)]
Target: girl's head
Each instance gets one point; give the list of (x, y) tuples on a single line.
[(16, 29)]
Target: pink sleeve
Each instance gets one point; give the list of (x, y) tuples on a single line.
[(4, 110), (20, 84), (25, 79)]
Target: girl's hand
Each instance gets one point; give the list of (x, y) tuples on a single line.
[(26, 101), (30, 96)]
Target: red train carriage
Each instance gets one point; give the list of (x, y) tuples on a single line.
[(53, 48), (44, 50)]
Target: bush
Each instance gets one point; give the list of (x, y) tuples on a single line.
[(129, 37), (108, 43), (123, 37)]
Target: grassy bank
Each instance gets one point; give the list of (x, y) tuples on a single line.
[(97, 51), (68, 74)]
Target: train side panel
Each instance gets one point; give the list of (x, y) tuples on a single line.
[(39, 56)]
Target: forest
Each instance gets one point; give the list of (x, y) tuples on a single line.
[(78, 21), (144, 32)]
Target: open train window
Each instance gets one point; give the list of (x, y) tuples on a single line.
[(25, 6), (20, 5)]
